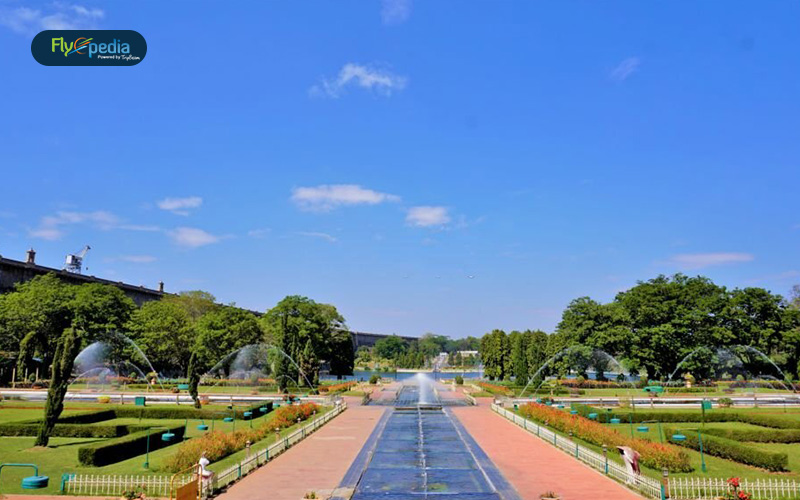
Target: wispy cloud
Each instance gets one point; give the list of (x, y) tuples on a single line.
[(373, 79), (786, 275), (625, 69), (325, 236), (53, 227), (134, 259), (703, 260), (192, 237), (395, 11), (57, 16), (180, 206), (258, 233), (427, 216), (327, 197)]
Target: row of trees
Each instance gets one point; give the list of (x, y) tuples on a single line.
[(400, 353), (653, 327), (45, 323)]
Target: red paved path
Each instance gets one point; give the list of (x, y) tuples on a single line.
[(533, 466), (317, 463)]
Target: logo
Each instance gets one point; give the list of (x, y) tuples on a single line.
[(89, 48)]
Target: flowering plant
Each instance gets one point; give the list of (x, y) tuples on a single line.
[(653, 455)]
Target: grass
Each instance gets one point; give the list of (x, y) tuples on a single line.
[(62, 454)]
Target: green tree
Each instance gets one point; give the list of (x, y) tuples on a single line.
[(519, 358), (164, 330), (390, 347), (68, 346), (294, 321)]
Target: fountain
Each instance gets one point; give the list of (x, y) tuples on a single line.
[(103, 359), (250, 361)]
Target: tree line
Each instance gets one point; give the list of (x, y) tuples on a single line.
[(658, 326), (394, 351)]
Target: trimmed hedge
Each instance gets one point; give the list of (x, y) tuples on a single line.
[(772, 421), (732, 450), (125, 447), (65, 430), (757, 435), (88, 417), (183, 412)]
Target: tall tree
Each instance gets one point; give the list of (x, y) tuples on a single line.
[(519, 358), (164, 330)]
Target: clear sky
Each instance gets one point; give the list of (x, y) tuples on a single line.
[(443, 166)]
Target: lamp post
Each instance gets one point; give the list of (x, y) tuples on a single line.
[(34, 482), (680, 437), (167, 436), (644, 428)]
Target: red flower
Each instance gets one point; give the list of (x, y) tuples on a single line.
[(734, 482)]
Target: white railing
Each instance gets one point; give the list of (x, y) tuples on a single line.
[(104, 484), (261, 457), (648, 487), (702, 488)]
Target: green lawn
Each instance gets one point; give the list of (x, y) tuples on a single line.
[(62, 455)]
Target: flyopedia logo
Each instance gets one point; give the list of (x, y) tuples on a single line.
[(88, 48)]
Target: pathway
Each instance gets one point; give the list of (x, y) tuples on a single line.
[(317, 463), (533, 466)]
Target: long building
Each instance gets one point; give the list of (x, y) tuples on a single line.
[(16, 271)]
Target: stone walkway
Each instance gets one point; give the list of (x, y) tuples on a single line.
[(533, 466), (317, 463)]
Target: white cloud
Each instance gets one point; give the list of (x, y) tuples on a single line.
[(625, 69), (50, 227), (325, 236), (356, 75), (395, 11), (327, 197), (58, 16), (258, 233), (180, 206), (139, 227), (134, 259), (44, 233), (427, 216), (702, 260), (192, 237)]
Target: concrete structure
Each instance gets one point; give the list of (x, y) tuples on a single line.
[(15, 271)]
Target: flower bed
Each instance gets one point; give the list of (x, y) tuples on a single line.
[(497, 390), (219, 445), (334, 388), (652, 455)]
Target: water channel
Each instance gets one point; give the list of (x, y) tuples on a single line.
[(420, 450)]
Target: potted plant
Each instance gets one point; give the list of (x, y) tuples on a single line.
[(549, 495)]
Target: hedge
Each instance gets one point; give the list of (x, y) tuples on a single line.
[(772, 421), (732, 450), (757, 435), (125, 447), (88, 417), (65, 430), (183, 412)]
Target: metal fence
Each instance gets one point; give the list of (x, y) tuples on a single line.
[(701, 488), (648, 487), (105, 484)]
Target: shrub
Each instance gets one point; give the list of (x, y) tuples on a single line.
[(497, 390), (459, 380), (725, 402), (219, 445), (374, 379), (732, 450), (757, 435), (334, 388), (652, 455), (772, 421), (104, 399), (123, 448), (65, 430)]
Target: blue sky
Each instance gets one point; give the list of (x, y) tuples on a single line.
[(441, 166)]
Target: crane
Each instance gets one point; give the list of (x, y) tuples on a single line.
[(74, 262)]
